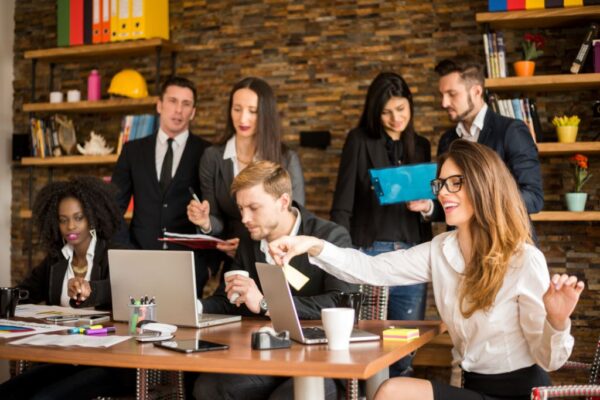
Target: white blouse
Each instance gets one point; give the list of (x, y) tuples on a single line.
[(512, 334), (67, 252)]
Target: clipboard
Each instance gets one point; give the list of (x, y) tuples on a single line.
[(404, 183), (193, 241)]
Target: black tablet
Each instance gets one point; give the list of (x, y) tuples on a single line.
[(191, 345)]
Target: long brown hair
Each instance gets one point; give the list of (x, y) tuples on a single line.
[(268, 126), (499, 227)]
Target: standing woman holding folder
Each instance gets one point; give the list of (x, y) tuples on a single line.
[(76, 221), (253, 132), (385, 137)]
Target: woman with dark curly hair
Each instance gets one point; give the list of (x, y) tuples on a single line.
[(76, 221)]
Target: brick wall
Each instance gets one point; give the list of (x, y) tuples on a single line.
[(320, 57)]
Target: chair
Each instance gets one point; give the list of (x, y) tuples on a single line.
[(590, 391), (374, 306)]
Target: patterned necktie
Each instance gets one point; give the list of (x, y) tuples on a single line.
[(167, 166)]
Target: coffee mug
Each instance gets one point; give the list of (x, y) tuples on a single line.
[(351, 300), (9, 298), (235, 295), (338, 323)]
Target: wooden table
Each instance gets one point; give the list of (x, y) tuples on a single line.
[(307, 364)]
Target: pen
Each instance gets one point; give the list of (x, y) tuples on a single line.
[(108, 329), (194, 196), (131, 300)]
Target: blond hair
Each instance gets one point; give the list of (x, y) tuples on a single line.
[(274, 178), (499, 227)]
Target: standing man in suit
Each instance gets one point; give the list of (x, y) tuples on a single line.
[(461, 86), (159, 170), (263, 192)]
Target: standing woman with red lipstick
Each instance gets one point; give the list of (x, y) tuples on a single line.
[(76, 220), (253, 133), (385, 137)]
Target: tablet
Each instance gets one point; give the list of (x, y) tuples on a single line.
[(191, 345)]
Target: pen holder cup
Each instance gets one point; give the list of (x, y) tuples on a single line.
[(140, 312)]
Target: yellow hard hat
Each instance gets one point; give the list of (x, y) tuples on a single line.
[(128, 83)]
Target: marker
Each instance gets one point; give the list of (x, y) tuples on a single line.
[(131, 299), (108, 329), (194, 196)]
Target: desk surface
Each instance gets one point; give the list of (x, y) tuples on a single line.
[(361, 361)]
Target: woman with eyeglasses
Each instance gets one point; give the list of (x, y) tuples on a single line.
[(508, 320), (385, 137)]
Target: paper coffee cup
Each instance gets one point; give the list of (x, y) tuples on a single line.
[(235, 295), (73, 96), (338, 323)]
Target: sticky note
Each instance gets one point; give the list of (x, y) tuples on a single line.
[(294, 277), (400, 334)]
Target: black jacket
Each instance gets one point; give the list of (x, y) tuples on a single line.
[(155, 212), (355, 204), (511, 139), (45, 281), (322, 289)]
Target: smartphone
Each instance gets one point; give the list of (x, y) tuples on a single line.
[(94, 319), (62, 318), (191, 345)]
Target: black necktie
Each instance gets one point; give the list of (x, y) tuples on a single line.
[(165, 172)]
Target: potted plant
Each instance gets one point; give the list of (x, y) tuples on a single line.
[(566, 128), (576, 200), (532, 49)]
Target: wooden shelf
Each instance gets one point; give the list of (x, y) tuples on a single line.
[(129, 48), (111, 105), (557, 216), (27, 214), (68, 160), (552, 149), (544, 82), (547, 18)]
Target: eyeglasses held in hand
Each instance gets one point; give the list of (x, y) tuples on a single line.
[(452, 183)]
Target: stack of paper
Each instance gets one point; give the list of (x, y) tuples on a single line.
[(400, 334), (71, 340)]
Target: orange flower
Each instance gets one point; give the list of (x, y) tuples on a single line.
[(581, 170)]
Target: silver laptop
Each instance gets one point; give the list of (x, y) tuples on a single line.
[(169, 276), (283, 311)]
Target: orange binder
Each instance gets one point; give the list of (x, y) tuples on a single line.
[(97, 21), (105, 21)]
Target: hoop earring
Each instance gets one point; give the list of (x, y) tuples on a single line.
[(93, 233)]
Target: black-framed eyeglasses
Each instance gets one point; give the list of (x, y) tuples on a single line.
[(452, 183)]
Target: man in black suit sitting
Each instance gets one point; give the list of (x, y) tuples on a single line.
[(158, 171), (461, 86), (263, 192)]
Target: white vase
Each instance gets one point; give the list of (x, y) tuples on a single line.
[(576, 201)]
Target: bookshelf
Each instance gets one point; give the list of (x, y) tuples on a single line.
[(110, 105), (68, 160), (548, 18)]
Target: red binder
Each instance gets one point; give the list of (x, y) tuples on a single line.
[(76, 23), (513, 5)]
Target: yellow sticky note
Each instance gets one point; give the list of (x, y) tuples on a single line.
[(294, 277), (400, 334)]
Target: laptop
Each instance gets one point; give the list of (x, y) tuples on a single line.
[(169, 276), (283, 311)]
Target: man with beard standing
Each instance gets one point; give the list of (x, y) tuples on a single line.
[(461, 87)]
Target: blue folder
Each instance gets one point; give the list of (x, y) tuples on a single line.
[(403, 183)]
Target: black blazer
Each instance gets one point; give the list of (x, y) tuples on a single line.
[(355, 204), (511, 139), (216, 176), (321, 291), (45, 281), (155, 212)]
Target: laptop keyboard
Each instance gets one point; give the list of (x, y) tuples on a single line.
[(313, 332)]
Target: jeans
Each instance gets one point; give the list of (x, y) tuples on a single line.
[(404, 303)]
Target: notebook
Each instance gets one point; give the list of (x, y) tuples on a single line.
[(169, 276), (283, 311)]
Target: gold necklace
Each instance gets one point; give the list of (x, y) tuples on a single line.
[(241, 161), (79, 270)]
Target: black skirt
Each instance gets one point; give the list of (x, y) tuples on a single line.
[(509, 385)]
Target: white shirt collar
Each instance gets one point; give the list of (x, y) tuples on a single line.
[(68, 250), (264, 245), (476, 126), (230, 150), (179, 139)]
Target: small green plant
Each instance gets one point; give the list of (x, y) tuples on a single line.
[(532, 46)]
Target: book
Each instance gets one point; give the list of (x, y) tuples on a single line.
[(584, 49), (535, 119), (501, 54), (486, 49), (400, 334)]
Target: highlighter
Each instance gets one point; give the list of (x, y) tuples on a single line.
[(101, 331)]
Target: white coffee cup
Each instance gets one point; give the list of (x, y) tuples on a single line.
[(338, 323), (56, 97), (73, 96), (235, 295)]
